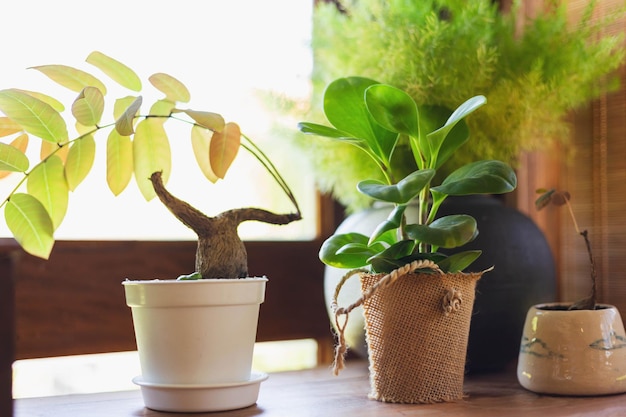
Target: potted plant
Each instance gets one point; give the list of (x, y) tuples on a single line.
[(416, 300), (574, 348), (195, 334), (441, 52)]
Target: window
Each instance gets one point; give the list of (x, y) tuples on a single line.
[(232, 56)]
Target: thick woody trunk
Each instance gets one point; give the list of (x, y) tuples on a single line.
[(221, 252)]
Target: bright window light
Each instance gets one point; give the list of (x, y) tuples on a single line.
[(232, 55)]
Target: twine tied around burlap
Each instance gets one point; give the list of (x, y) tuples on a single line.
[(387, 280), (417, 324)]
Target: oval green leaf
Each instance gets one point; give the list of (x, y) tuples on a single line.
[(47, 183), (119, 162), (8, 127), (330, 251), (88, 106), (207, 119), (223, 148), (459, 261), (12, 159), (200, 143), (173, 89), (151, 153), (393, 109), (35, 116), (446, 232), (80, 159), (124, 124), (481, 177), (401, 193), (30, 224), (72, 78), (117, 71)]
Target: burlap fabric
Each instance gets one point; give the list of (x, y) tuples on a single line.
[(417, 327)]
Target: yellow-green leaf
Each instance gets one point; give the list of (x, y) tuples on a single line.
[(20, 143), (12, 159), (30, 224), (173, 89), (119, 162), (223, 148), (35, 116), (207, 119), (88, 106), (72, 78), (53, 102), (47, 183), (8, 127), (79, 161), (200, 142), (162, 108), (151, 153), (125, 123), (48, 148), (118, 72)]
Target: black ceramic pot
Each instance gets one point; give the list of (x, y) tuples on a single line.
[(524, 275)]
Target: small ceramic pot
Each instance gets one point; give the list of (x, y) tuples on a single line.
[(581, 352)]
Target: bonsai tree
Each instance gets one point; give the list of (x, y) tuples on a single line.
[(443, 51), (374, 118), (137, 146), (561, 198)]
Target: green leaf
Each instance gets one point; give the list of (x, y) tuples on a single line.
[(331, 250), (124, 124), (212, 121), (119, 162), (392, 222), (223, 148), (437, 138), (402, 192), (345, 109), (173, 89), (53, 102), (12, 159), (162, 108), (80, 159), (393, 109), (117, 71), (446, 232), (481, 177), (151, 153), (8, 127), (30, 224), (396, 251), (88, 106), (47, 183), (71, 78), (459, 261), (200, 143), (35, 116)]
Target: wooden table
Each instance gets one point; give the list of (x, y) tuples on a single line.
[(317, 393)]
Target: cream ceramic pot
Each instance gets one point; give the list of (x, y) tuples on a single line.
[(580, 352)]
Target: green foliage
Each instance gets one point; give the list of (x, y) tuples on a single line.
[(372, 117), (137, 144), (443, 51)]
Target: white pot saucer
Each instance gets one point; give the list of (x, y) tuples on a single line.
[(201, 398)]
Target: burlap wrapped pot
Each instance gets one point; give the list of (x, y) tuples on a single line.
[(417, 322)]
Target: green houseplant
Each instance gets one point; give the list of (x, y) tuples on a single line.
[(401, 258), (572, 348), (219, 296), (441, 52)]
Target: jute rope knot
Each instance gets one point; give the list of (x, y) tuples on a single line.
[(452, 301), (384, 282)]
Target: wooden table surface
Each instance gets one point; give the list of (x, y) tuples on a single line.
[(317, 393)]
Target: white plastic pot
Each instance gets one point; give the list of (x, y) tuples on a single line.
[(196, 334)]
